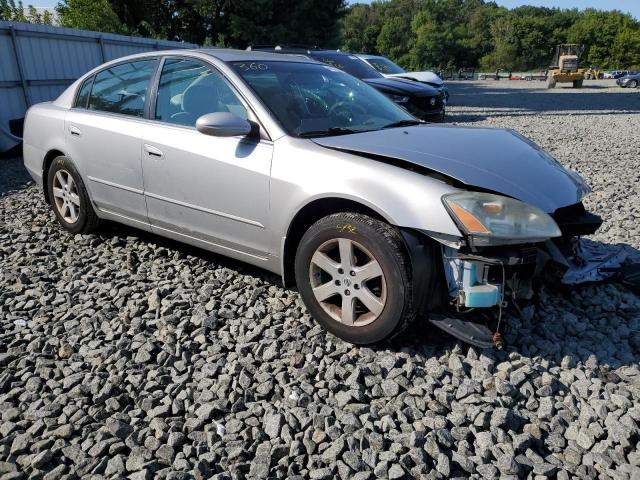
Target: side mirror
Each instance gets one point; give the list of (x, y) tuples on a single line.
[(223, 124)]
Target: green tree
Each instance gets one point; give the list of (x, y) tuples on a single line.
[(236, 23), (505, 45), (625, 51), (361, 28), (12, 11), (34, 16), (89, 15), (610, 38), (469, 33), (308, 22), (395, 40)]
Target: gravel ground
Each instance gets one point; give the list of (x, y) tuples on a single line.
[(126, 355)]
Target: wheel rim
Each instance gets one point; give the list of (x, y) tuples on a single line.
[(348, 282), (65, 195)]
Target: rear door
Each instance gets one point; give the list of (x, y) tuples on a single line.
[(104, 137), (199, 187)]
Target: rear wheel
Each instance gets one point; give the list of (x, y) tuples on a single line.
[(354, 276), (633, 84), (69, 198)]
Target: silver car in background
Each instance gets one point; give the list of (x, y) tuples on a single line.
[(306, 171)]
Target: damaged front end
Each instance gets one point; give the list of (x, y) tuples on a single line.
[(508, 247)]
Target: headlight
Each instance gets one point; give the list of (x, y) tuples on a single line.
[(496, 220), (399, 98)]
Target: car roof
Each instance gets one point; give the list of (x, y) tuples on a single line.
[(234, 55), (222, 54)]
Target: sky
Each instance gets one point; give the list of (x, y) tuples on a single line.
[(627, 6)]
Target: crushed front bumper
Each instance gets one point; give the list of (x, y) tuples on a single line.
[(480, 283)]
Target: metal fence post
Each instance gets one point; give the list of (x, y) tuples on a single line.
[(102, 51), (18, 55)]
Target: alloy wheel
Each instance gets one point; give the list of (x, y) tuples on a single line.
[(65, 195), (348, 282)]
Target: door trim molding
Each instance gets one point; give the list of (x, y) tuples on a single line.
[(205, 210), (192, 240), (116, 185)]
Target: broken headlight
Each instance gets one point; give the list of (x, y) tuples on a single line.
[(496, 220)]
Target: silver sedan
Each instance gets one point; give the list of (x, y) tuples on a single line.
[(301, 169)]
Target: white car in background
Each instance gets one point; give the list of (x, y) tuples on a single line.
[(392, 70)]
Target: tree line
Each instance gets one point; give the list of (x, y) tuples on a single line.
[(234, 23), (449, 34), (418, 34)]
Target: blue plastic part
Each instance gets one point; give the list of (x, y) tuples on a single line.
[(476, 294)]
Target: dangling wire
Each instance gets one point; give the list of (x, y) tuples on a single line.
[(497, 336)]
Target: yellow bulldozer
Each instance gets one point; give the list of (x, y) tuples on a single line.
[(565, 67)]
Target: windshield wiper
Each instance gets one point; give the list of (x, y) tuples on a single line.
[(329, 132), (404, 123)]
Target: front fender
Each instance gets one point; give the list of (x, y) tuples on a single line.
[(303, 172)]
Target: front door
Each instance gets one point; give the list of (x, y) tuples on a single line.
[(199, 187)]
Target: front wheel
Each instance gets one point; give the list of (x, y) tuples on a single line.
[(354, 276), (633, 84), (577, 84), (69, 197)]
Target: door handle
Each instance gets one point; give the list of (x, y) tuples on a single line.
[(73, 130), (153, 151)]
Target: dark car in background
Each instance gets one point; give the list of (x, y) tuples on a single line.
[(631, 80), (422, 101)]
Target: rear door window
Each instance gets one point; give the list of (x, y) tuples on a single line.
[(122, 88), (83, 94)]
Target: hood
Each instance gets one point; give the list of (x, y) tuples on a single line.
[(498, 160), (427, 77), (400, 86)]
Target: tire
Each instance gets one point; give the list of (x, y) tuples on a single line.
[(71, 203), (633, 84), (551, 83), (577, 83), (371, 242)]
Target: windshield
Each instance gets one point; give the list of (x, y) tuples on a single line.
[(349, 63), (311, 99), (384, 65)]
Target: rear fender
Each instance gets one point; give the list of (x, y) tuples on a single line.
[(43, 133)]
